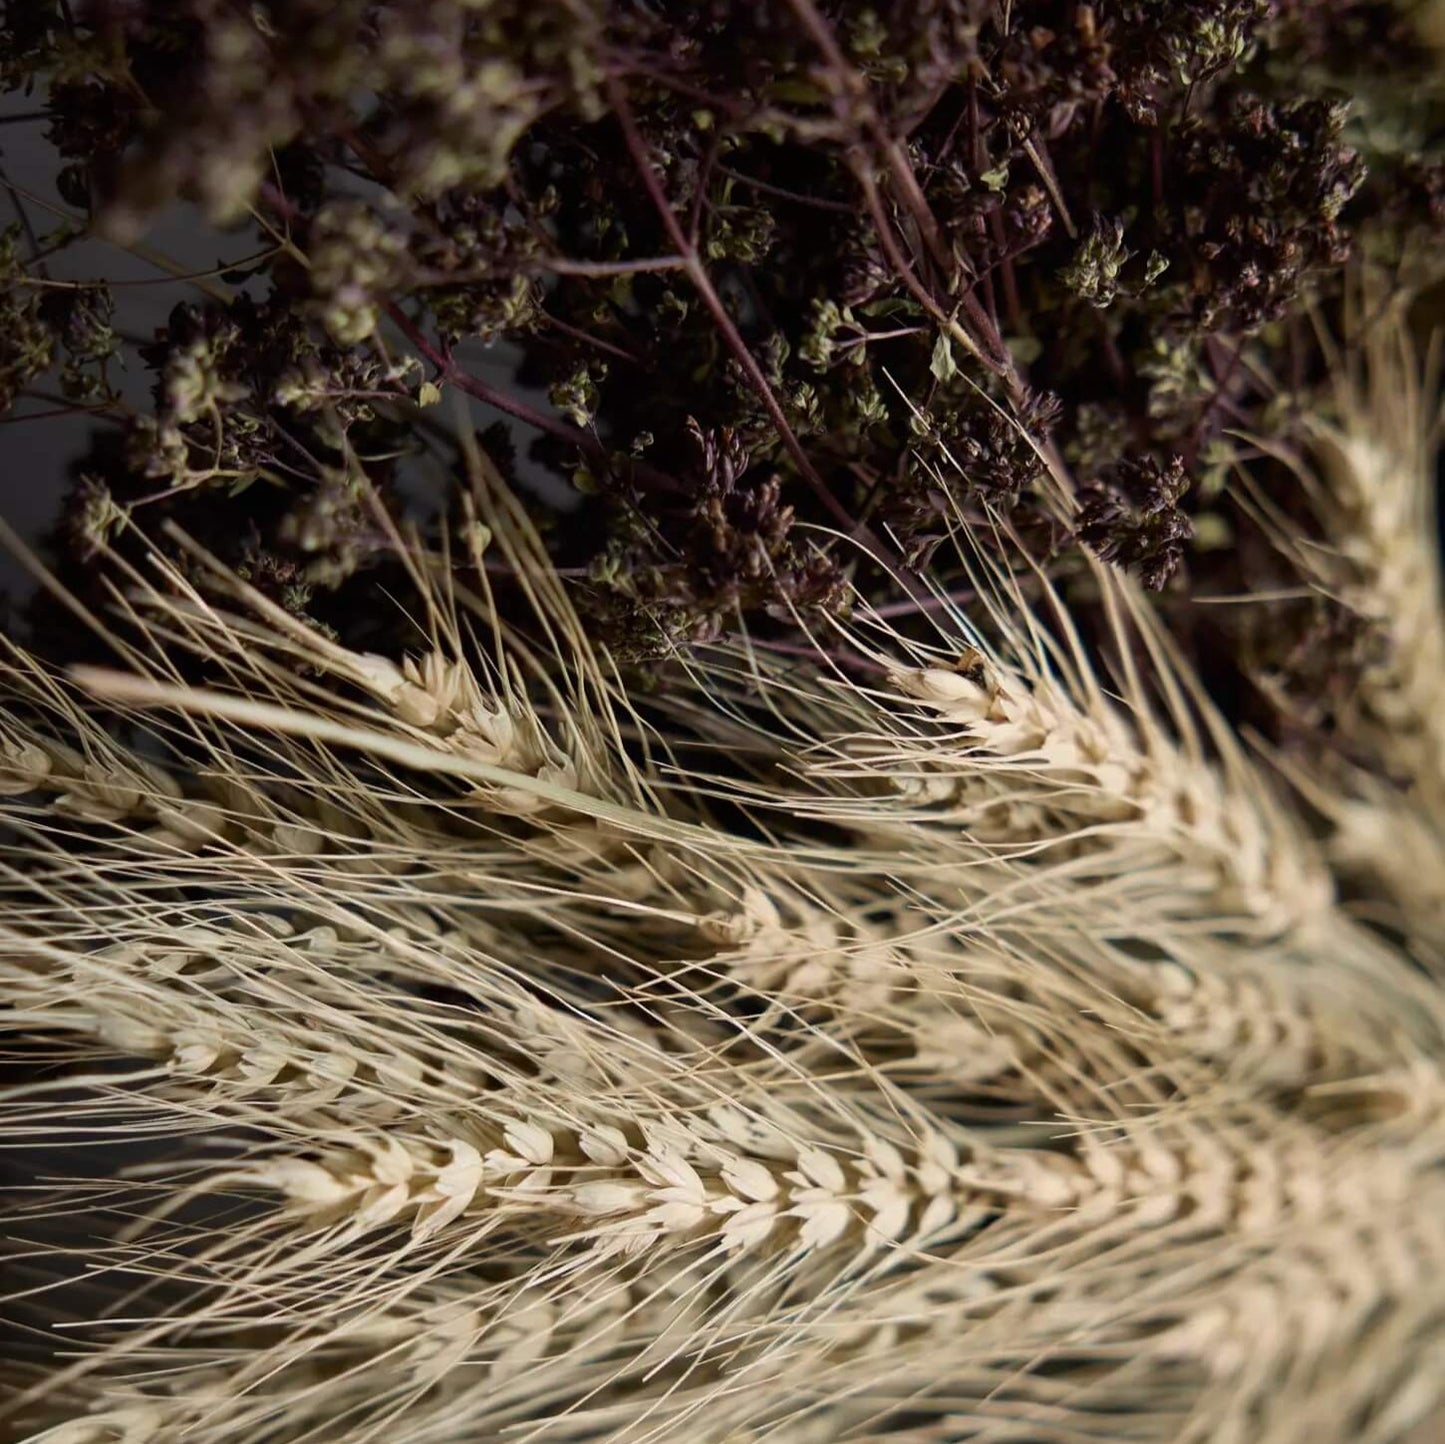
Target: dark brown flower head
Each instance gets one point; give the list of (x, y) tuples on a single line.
[(731, 552), (1133, 518), (1261, 194), (27, 341), (974, 458), (93, 517)]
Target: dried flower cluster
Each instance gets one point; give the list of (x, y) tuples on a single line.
[(834, 242)]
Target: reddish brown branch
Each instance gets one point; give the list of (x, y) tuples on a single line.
[(859, 117), (1000, 365), (702, 283), (452, 374)]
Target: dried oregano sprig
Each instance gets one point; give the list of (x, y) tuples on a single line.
[(856, 238), (881, 1051)]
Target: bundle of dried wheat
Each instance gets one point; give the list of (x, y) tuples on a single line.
[(936, 1040)]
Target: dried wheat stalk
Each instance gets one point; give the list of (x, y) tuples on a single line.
[(1370, 478)]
